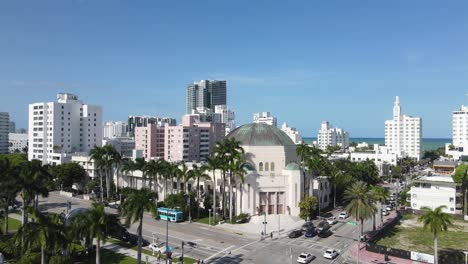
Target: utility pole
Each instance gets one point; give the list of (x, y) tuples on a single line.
[(182, 258), (264, 223), (291, 253), (167, 240)]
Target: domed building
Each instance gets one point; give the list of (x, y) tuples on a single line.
[(273, 180)]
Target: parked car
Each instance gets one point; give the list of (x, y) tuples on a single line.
[(343, 215), (158, 247), (331, 220), (307, 226), (311, 232), (326, 215), (330, 254), (388, 207), (323, 226), (305, 258), (295, 234), (385, 212)]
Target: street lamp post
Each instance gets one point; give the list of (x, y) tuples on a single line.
[(209, 216), (466, 256), (167, 239)]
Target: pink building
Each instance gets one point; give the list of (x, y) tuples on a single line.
[(192, 140), (150, 140)]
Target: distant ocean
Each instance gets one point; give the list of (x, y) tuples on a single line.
[(428, 143)]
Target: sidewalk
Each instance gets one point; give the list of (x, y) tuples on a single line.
[(367, 257), (131, 253)]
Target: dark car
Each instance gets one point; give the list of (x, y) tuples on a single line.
[(323, 226), (325, 233), (311, 232), (307, 226), (133, 239), (326, 215), (295, 234)]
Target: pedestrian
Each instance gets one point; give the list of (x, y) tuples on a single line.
[(271, 235), (203, 262)]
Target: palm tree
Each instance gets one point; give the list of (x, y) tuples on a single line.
[(221, 152), (436, 221), (184, 174), (165, 171), (198, 173), (140, 165), (304, 152), (214, 163), (360, 206), (138, 202), (96, 154), (378, 195), (152, 169), (9, 186), (93, 225), (33, 179), (129, 166), (239, 171), (45, 231)]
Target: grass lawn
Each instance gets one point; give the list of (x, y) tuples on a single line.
[(110, 257), (13, 224), (205, 220), (420, 240)]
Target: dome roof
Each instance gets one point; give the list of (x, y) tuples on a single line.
[(293, 166), (259, 134)]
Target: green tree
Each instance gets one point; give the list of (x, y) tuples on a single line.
[(378, 195), (214, 163), (66, 174), (93, 225), (198, 173), (138, 202), (307, 207), (129, 166), (436, 221), (105, 158), (152, 169), (360, 205), (9, 186), (304, 152)]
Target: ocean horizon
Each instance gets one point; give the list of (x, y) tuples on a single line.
[(427, 143)]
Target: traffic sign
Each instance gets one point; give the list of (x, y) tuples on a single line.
[(351, 223)]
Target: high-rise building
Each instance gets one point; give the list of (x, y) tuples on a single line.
[(12, 127), (143, 121), (58, 129), (205, 93), (292, 133), (331, 136), (4, 130), (150, 140), (226, 116), (460, 127), (403, 133), (266, 118), (17, 142), (191, 141), (115, 129)]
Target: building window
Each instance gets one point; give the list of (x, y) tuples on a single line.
[(272, 166), (414, 195), (451, 199), (260, 166), (266, 166)]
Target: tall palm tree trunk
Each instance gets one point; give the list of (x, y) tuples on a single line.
[(43, 255), (436, 256), (198, 197), (165, 188), (98, 251), (374, 217), (214, 197), (230, 197), (108, 183), (102, 189), (140, 228), (6, 219), (223, 189)]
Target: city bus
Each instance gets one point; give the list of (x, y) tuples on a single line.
[(170, 214)]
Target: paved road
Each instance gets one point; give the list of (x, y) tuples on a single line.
[(216, 245)]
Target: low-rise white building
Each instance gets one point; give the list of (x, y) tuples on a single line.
[(380, 155), (18, 142), (434, 191), (292, 133), (113, 129), (87, 163), (123, 145), (265, 118)]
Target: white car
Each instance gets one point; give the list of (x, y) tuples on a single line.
[(305, 258), (343, 215), (158, 247), (330, 254), (385, 212), (331, 220)]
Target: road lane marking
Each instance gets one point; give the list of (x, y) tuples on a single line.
[(214, 255)]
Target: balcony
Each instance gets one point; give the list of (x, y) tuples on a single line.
[(459, 206)]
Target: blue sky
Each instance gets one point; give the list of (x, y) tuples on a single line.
[(304, 61)]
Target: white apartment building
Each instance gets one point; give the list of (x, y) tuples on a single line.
[(459, 145), (58, 129), (292, 133), (382, 157), (434, 191), (123, 145), (265, 118), (17, 142), (4, 131), (87, 163), (331, 136), (226, 116), (115, 129), (403, 133)]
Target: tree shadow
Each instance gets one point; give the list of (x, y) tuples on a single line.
[(451, 255), (228, 259)]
